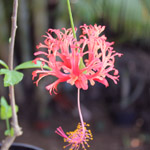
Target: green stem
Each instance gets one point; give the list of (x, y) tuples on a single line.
[(73, 29), (71, 19), (7, 125)]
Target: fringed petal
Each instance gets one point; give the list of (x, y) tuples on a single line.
[(64, 54)]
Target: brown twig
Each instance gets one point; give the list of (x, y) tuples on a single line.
[(17, 130)]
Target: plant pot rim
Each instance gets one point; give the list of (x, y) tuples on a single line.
[(26, 146)]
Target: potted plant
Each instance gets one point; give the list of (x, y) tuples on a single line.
[(12, 77)]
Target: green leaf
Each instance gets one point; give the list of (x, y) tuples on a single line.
[(9, 132), (5, 109), (12, 132), (30, 65), (7, 113), (3, 64), (81, 65), (11, 77), (3, 102), (16, 108)]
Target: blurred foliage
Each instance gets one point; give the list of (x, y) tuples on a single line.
[(126, 18), (129, 18)]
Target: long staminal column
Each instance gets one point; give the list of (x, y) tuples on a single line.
[(80, 113), (79, 137)]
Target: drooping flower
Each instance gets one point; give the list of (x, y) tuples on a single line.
[(91, 58), (77, 138)]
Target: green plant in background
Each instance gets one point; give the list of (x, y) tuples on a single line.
[(12, 77)]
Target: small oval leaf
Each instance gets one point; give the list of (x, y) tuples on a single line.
[(7, 133), (5, 109), (11, 77)]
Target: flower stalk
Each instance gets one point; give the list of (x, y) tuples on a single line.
[(74, 34), (80, 113), (71, 19)]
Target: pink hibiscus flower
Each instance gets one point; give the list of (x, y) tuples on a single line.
[(77, 62), (91, 58)]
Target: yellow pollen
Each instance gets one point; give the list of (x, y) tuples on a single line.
[(79, 137)]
